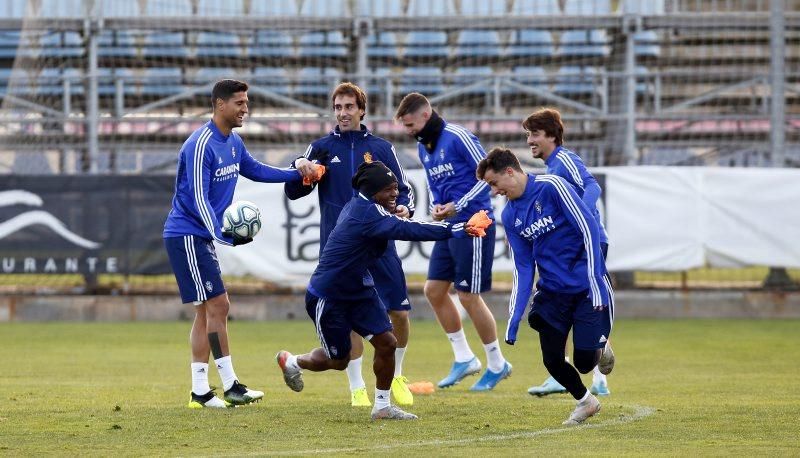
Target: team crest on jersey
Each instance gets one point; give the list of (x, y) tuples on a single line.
[(233, 151), (367, 157), (441, 153), (538, 206), (209, 286)]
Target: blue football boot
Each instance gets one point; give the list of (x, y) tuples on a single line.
[(459, 371), (490, 379), (599, 388), (550, 386)]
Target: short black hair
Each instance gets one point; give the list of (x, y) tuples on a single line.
[(411, 103), (497, 160), (224, 89)]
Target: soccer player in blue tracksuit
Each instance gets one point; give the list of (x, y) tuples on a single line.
[(347, 146), (548, 227), (341, 295), (449, 153), (209, 165), (545, 136)]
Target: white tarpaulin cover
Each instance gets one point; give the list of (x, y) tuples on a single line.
[(658, 218)]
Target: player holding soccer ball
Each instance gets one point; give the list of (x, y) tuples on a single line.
[(341, 295), (549, 228), (209, 165)]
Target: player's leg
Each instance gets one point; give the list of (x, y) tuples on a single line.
[(473, 259), (390, 283), (599, 381), (437, 288), (333, 330), (550, 385), (358, 388), (186, 265)]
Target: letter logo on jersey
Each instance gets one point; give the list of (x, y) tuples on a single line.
[(219, 160), (538, 227), (367, 157), (335, 160), (441, 170), (30, 218), (517, 223), (227, 172)]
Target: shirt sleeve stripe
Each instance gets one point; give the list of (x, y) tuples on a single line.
[(477, 189), (197, 172), (584, 227), (403, 179), (571, 167), (308, 151), (462, 133)]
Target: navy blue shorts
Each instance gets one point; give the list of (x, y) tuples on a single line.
[(590, 328), (465, 262), (334, 319), (194, 262), (390, 281)]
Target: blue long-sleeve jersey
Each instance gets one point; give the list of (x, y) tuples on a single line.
[(569, 166), (450, 171), (550, 227), (360, 237), (346, 151), (209, 164)]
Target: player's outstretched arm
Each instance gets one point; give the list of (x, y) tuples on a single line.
[(522, 284)]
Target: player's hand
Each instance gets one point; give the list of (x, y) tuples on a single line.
[(442, 212), (477, 224), (237, 239), (316, 175), (402, 211)]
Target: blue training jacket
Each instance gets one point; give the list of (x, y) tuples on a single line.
[(549, 226), (346, 151), (209, 165), (450, 171), (569, 166), (359, 238)]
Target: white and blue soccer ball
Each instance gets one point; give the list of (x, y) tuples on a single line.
[(243, 218)]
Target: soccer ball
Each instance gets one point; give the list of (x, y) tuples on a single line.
[(243, 218)]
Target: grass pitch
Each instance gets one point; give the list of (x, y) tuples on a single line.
[(703, 387)]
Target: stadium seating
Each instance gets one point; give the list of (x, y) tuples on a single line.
[(325, 8), (529, 76), (13, 8), (584, 43), (576, 81), (377, 80), (478, 43), (63, 8), (483, 8), (157, 8), (107, 81), (535, 7), (61, 44), (210, 75), (51, 81), (322, 44), (274, 79), (273, 8), (530, 43), (218, 44), (9, 42), (465, 76), (270, 43), (165, 44), (316, 82), (427, 8), (427, 80), (116, 43), (426, 44), (588, 7), (379, 8), (116, 8), (162, 81), (217, 8), (382, 44)]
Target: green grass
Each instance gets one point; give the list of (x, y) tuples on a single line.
[(715, 387)]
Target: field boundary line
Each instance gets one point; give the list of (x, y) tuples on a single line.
[(639, 413)]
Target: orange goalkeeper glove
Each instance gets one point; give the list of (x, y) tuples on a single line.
[(320, 170), (477, 224)]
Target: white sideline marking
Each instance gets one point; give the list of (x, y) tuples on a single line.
[(639, 412)]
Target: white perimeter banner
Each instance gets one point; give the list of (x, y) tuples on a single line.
[(658, 218)]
